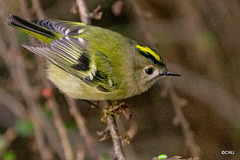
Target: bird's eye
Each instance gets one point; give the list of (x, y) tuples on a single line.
[(149, 70)]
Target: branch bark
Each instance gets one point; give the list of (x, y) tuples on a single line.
[(83, 131), (117, 144), (83, 11)]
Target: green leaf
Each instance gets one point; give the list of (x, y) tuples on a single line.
[(162, 156), (9, 155), (24, 127)]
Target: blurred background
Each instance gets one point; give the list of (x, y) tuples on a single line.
[(195, 115)]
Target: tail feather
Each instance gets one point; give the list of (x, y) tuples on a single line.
[(30, 28)]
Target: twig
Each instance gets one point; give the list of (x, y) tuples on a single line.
[(44, 150), (38, 9), (83, 11), (96, 14), (210, 92), (51, 102), (24, 8), (193, 147), (80, 154), (143, 28), (57, 119), (12, 104), (180, 119), (58, 122), (118, 151), (117, 144), (80, 120), (7, 139), (15, 63)]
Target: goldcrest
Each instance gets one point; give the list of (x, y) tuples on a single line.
[(92, 63)]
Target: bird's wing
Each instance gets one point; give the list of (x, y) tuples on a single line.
[(71, 55), (66, 28)]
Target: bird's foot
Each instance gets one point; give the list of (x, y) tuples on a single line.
[(115, 109)]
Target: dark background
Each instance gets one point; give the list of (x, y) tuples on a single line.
[(200, 39)]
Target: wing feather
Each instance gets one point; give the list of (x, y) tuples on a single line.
[(71, 55), (63, 27)]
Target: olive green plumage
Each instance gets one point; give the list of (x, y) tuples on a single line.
[(92, 63)]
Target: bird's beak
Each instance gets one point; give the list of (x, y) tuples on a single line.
[(166, 73)]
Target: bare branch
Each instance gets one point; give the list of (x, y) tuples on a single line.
[(24, 8), (211, 93), (83, 11), (113, 129), (80, 120), (44, 150), (38, 9), (57, 119), (52, 104), (180, 119), (191, 144), (118, 151), (80, 154), (15, 63), (96, 14), (12, 104)]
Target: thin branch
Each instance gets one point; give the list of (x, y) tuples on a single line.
[(80, 120), (210, 92), (116, 138), (44, 150), (15, 63), (52, 104), (24, 8), (181, 120), (38, 9), (57, 119), (142, 23), (83, 11), (96, 14), (118, 150), (80, 154), (12, 104), (191, 144)]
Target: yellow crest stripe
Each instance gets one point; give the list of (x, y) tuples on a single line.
[(147, 51)]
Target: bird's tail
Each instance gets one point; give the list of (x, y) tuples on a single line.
[(31, 28)]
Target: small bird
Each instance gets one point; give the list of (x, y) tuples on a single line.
[(92, 63)]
